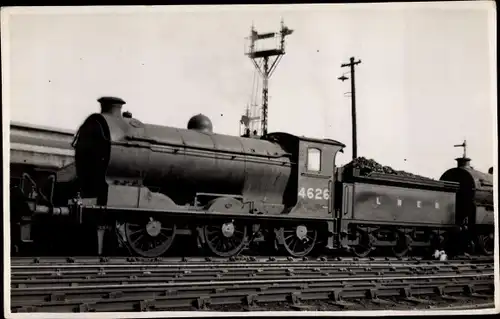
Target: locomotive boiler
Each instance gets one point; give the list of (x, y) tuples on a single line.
[(111, 149)]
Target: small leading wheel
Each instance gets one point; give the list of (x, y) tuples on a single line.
[(486, 244), (150, 239), (364, 246), (403, 243), (298, 241), (225, 239)]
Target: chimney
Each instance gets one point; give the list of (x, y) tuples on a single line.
[(111, 105), (463, 162)]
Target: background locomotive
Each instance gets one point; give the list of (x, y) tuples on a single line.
[(143, 186)]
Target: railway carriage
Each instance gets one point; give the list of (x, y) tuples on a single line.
[(38, 156)]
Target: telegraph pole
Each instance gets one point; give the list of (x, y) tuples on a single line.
[(351, 65)]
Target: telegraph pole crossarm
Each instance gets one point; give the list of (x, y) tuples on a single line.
[(464, 145)]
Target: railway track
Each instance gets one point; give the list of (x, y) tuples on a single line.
[(201, 294), (83, 285), (16, 261), (51, 275)]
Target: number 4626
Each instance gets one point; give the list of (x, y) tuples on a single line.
[(314, 193)]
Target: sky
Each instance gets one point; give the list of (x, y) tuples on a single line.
[(425, 82)]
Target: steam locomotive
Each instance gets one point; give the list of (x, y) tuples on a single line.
[(145, 187)]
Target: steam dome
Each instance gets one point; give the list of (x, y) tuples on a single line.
[(200, 122)]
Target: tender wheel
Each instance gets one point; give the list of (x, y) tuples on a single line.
[(402, 246), (364, 246), (486, 244), (150, 239), (225, 239), (298, 241)]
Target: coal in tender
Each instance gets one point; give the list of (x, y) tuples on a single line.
[(369, 166)]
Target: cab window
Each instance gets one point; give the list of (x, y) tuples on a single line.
[(313, 159)]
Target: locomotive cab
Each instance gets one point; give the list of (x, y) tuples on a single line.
[(313, 174), (316, 173)]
